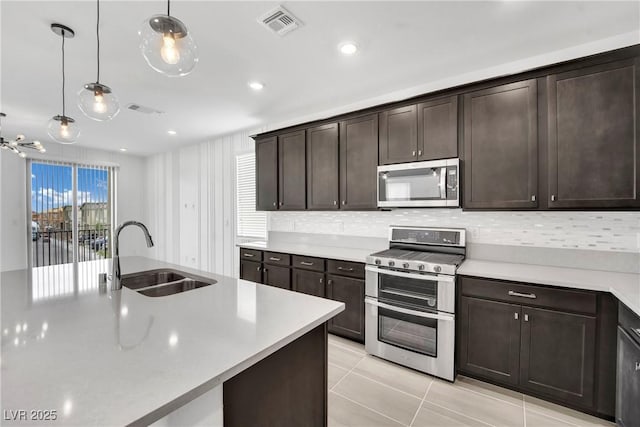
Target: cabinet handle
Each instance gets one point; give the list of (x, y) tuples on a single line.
[(419, 152), (533, 198), (274, 203), (258, 269), (526, 317), (321, 280), (335, 202), (344, 203), (518, 294), (413, 153), (345, 269), (515, 316), (329, 282), (280, 203), (553, 197), (306, 263), (248, 255), (274, 258)]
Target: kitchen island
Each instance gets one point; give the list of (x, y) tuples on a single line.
[(78, 355)]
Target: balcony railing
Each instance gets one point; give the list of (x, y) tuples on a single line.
[(54, 247)]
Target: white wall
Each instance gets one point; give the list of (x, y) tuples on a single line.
[(190, 204), (13, 203)]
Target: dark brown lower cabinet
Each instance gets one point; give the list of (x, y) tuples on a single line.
[(538, 342), (277, 276), (349, 323), (308, 282), (557, 354), (490, 339), (251, 270)]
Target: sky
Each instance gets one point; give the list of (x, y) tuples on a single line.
[(51, 186)]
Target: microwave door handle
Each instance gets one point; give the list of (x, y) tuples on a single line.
[(443, 183), (417, 276), (397, 309)]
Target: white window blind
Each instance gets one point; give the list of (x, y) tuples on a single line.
[(250, 223)]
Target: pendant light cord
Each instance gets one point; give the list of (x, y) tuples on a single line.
[(63, 76), (98, 39), (168, 7)]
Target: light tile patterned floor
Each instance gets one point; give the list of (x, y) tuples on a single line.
[(365, 391)]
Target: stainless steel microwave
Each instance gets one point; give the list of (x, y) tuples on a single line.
[(432, 183)]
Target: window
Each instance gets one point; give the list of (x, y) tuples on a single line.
[(249, 222), (71, 212)]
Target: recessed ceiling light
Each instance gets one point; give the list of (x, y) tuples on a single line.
[(348, 48), (171, 132), (123, 149), (256, 85)]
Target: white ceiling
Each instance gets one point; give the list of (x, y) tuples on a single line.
[(403, 44)]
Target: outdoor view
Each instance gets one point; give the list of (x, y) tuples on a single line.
[(52, 213)]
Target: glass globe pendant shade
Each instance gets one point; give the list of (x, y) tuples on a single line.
[(98, 102), (167, 46), (63, 129)]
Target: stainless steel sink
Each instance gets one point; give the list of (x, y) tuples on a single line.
[(160, 283)]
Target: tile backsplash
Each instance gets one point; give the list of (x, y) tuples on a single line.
[(602, 231)]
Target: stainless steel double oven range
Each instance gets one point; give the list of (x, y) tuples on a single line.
[(410, 298)]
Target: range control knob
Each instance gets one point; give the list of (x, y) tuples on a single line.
[(391, 263), (421, 267), (437, 269), (378, 262), (405, 265)]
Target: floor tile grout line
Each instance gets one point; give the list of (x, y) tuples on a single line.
[(524, 411), (347, 348), (487, 395), (385, 384), (413, 420), (345, 375), (366, 407), (459, 413), (546, 414)]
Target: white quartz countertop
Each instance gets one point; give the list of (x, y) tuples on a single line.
[(331, 252), (114, 358), (624, 286)]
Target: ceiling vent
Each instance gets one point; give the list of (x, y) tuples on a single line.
[(280, 21), (144, 110)]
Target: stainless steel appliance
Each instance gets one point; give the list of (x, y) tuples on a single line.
[(421, 184), (410, 298)]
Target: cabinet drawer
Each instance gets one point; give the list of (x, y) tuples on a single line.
[(563, 299), (629, 322), (308, 263), (346, 268), (276, 258), (251, 254)]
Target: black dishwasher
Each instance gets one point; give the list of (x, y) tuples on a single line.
[(628, 378)]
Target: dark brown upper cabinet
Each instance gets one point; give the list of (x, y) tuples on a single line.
[(438, 129), (359, 163), (292, 171), (323, 165), (399, 135), (267, 174), (594, 149), (501, 147)]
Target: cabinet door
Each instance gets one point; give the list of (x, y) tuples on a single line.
[(280, 277), (251, 270), (399, 135), (359, 163), (323, 183), (558, 355), (438, 129), (349, 323), (308, 282), (489, 339), (594, 147), (501, 147), (628, 384), (292, 172), (267, 174)]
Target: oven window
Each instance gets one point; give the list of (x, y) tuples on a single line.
[(413, 184), (409, 332), (417, 292)]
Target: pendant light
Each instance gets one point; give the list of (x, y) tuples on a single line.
[(18, 144), (167, 45), (62, 128), (96, 100)]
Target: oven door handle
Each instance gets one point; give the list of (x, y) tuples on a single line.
[(447, 317), (417, 276)]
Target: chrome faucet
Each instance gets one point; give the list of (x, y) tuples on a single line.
[(116, 283)]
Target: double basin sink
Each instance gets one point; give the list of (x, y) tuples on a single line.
[(163, 282)]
